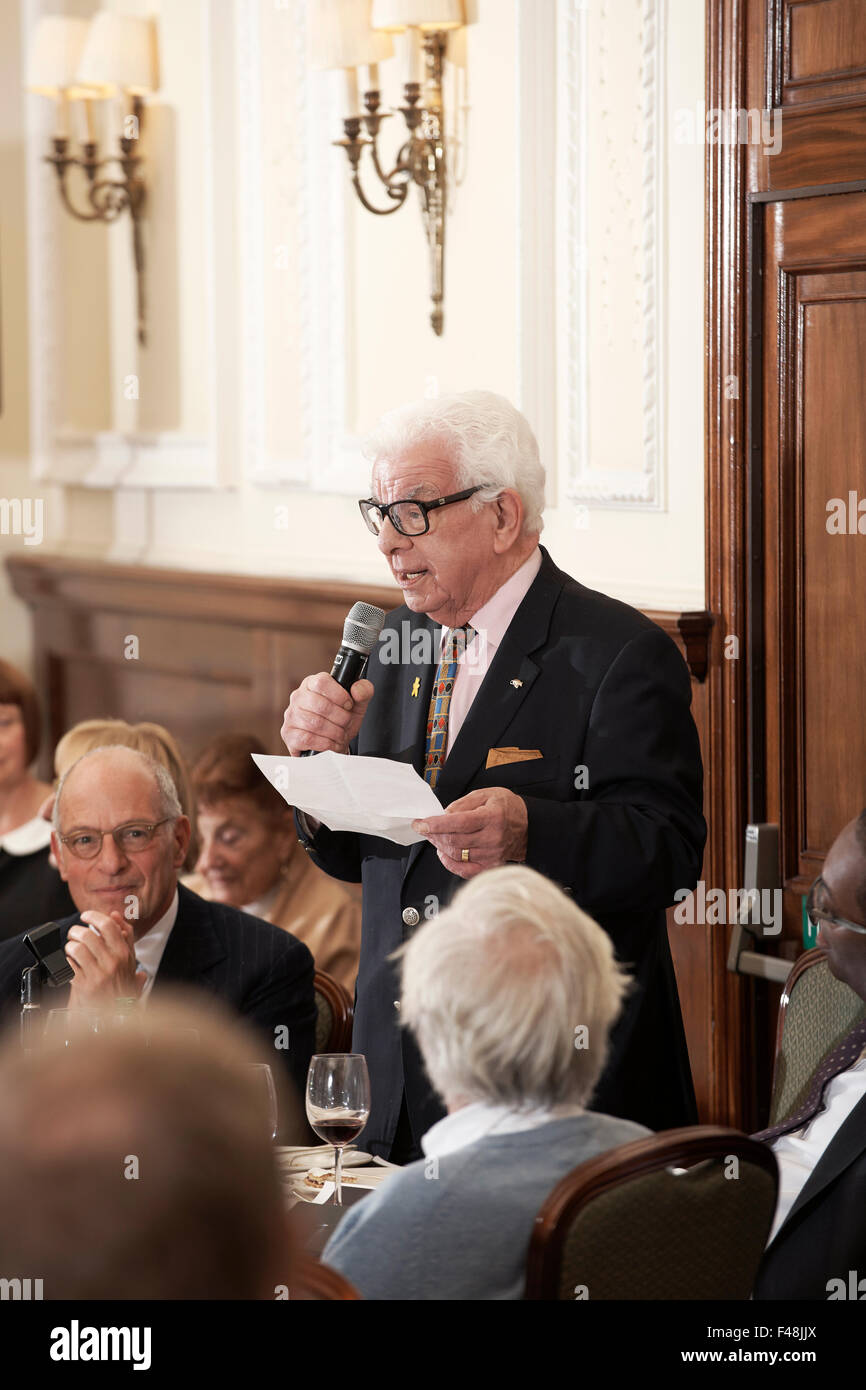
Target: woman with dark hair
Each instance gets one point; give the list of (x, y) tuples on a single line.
[(250, 858), (31, 889)]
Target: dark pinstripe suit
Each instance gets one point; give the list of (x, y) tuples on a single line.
[(262, 972)]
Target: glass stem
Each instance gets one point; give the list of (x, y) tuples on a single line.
[(338, 1175)]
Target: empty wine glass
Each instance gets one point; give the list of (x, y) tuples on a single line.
[(264, 1079), (338, 1103), (65, 1027)]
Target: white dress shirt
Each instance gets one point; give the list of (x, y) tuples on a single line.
[(149, 948), (798, 1152), (472, 1122)]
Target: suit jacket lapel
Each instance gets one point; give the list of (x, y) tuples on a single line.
[(847, 1144), (193, 944)]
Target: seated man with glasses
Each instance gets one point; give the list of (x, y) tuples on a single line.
[(819, 1232), (119, 839)]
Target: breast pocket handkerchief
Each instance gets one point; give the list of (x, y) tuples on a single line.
[(497, 756)]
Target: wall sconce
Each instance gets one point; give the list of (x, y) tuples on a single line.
[(79, 61), (349, 34)]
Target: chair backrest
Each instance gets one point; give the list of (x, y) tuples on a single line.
[(334, 1014), (314, 1283), (816, 1012), (682, 1215)]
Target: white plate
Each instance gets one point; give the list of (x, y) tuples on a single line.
[(366, 1177), (320, 1158)]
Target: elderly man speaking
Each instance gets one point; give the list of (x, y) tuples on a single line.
[(553, 723)]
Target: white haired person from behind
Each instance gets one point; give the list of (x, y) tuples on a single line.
[(511, 993)]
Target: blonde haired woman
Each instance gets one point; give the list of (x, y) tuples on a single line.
[(151, 739)]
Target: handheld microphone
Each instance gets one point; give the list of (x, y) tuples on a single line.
[(361, 631)]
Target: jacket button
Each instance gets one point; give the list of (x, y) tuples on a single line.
[(397, 1005), (411, 916)]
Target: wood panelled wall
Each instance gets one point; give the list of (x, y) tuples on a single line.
[(786, 434), (224, 652)]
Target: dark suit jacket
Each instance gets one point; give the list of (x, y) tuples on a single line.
[(31, 892), (824, 1235), (601, 685), (262, 972)]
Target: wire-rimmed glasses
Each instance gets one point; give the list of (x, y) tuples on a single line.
[(86, 842)]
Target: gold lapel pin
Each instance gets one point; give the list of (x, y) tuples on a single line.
[(516, 683), (416, 686)]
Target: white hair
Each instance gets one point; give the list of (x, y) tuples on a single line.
[(511, 993), (169, 804), (490, 443)]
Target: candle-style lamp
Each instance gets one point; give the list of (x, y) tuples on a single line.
[(77, 61), (341, 38), (341, 33), (53, 63)]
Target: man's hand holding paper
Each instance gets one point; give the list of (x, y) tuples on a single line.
[(372, 796)]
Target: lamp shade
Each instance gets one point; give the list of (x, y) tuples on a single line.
[(54, 55), (119, 55), (396, 15), (341, 36)]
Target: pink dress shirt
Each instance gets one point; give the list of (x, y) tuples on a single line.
[(490, 624)]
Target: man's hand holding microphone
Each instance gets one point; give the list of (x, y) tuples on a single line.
[(326, 711), (322, 716)]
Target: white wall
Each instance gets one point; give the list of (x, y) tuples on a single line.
[(284, 319)]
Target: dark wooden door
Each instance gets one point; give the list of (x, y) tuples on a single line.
[(814, 553), (786, 454)]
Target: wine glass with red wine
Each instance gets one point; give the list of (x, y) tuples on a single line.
[(338, 1103)]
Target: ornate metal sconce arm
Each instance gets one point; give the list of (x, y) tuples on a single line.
[(109, 198), (354, 145), (421, 161)]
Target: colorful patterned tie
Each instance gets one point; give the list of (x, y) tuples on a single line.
[(839, 1060), (440, 700)]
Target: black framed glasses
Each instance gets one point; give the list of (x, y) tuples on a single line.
[(411, 517), (817, 915), (130, 839)]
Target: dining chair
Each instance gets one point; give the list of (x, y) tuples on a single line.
[(334, 1014), (816, 1012), (684, 1214)]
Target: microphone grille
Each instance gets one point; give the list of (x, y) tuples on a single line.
[(363, 624)]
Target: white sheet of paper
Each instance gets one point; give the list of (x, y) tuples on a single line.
[(376, 796)]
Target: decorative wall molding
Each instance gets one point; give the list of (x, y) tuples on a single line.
[(43, 231), (535, 143), (111, 459), (317, 226), (634, 488), (125, 459)]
